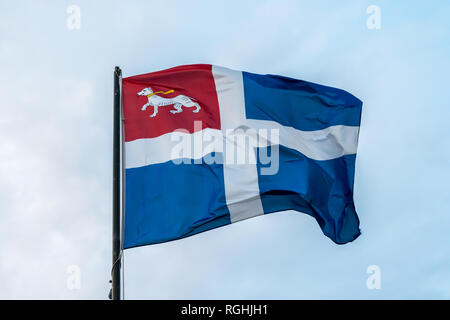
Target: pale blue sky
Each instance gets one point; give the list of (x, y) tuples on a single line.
[(56, 129)]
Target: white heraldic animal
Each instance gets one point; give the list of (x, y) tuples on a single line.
[(156, 101)]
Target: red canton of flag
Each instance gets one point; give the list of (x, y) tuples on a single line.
[(194, 81)]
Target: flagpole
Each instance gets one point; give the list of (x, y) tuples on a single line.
[(115, 272)]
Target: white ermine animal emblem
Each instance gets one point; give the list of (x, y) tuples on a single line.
[(178, 102)]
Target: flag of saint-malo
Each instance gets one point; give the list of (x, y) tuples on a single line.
[(206, 146)]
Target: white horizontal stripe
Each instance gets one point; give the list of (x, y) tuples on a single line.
[(326, 144), (143, 152)]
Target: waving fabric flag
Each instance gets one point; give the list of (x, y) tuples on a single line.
[(207, 146)]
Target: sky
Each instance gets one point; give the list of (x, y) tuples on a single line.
[(56, 148)]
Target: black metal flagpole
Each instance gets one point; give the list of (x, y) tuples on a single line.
[(115, 272)]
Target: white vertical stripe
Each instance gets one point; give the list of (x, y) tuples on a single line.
[(241, 180)]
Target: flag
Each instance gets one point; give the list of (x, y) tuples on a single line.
[(206, 146)]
